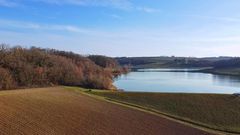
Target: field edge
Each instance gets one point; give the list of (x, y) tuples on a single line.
[(190, 123)]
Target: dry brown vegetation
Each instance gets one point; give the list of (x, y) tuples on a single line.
[(59, 111), (35, 67), (110, 64)]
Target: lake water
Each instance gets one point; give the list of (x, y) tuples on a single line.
[(177, 82)]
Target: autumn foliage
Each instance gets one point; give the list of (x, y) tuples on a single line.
[(110, 64), (35, 67)]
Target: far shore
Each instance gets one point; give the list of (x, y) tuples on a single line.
[(224, 71)]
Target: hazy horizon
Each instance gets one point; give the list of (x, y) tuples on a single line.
[(124, 28)]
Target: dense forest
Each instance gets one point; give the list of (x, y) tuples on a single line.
[(35, 67), (110, 64)]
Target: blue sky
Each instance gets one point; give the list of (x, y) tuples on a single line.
[(124, 27)]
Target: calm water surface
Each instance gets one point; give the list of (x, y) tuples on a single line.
[(175, 82)]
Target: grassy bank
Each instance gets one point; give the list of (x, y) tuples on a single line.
[(220, 112), (224, 71)]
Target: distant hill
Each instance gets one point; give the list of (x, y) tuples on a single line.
[(170, 62)]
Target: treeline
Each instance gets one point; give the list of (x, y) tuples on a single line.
[(110, 64), (103, 61), (35, 67), (179, 62)]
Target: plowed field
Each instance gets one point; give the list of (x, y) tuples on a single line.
[(57, 111)]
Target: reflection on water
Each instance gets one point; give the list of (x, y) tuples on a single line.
[(186, 82), (224, 80), (170, 69)]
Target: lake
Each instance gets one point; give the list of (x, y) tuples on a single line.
[(166, 80)]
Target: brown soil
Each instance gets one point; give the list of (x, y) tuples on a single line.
[(57, 111)]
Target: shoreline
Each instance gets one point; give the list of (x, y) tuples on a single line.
[(206, 70)]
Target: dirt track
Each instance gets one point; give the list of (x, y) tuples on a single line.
[(58, 111)]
